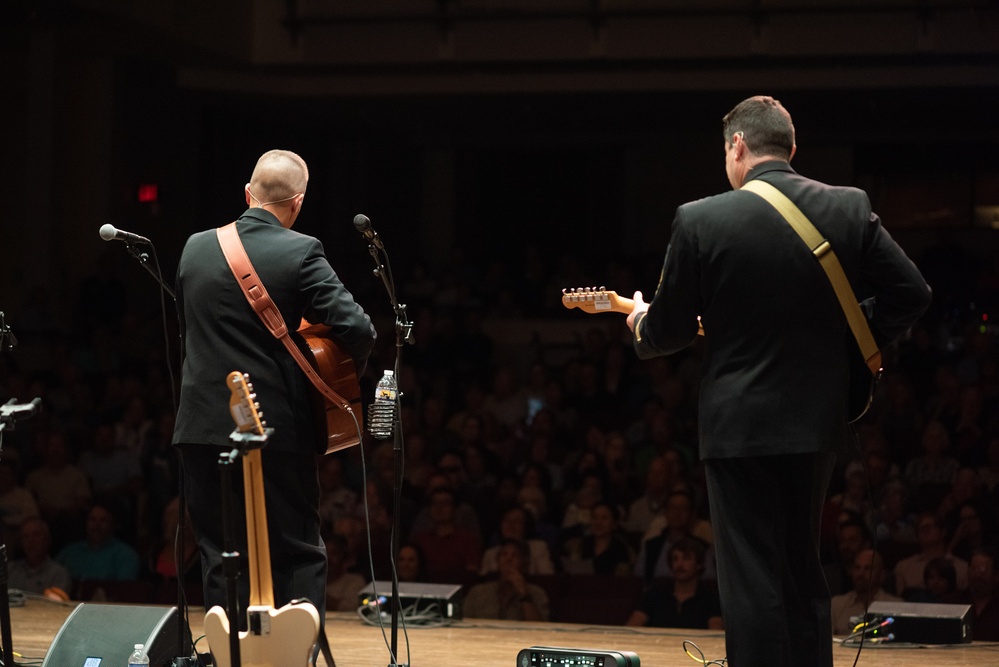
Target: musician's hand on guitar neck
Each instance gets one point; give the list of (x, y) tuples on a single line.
[(640, 307)]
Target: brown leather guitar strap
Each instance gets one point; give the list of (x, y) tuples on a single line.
[(264, 307)]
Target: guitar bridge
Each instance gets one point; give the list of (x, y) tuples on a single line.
[(259, 620)]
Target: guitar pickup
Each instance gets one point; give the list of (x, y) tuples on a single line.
[(259, 620)]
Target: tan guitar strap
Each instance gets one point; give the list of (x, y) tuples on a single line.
[(263, 306), (823, 252)]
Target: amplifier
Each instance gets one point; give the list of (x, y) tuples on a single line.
[(441, 602), (556, 656), (924, 623)]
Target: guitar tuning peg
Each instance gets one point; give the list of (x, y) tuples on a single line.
[(603, 288)]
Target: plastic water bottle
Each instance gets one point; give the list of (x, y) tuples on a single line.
[(138, 657), (381, 418)]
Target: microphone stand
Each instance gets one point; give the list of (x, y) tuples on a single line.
[(403, 334), (8, 417), (143, 259), (186, 657)]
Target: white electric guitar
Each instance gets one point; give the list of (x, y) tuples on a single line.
[(276, 637)]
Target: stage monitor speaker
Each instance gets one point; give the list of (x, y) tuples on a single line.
[(104, 635), (924, 623)]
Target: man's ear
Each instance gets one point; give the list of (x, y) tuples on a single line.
[(794, 148), (246, 193)]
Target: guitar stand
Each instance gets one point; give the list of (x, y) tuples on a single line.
[(10, 412), (230, 557)]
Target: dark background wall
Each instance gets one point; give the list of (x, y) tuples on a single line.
[(478, 127)]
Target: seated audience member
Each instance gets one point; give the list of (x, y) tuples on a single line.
[(61, 489), (36, 571), (604, 550), (342, 587), (932, 544), (100, 555), (16, 505), (665, 473), (868, 575), (164, 552), (465, 516), (983, 594), (852, 536), (939, 583), (974, 527), (896, 530), (679, 521), (508, 597), (686, 601), (115, 476), (411, 565), (930, 475), (585, 494), (453, 554), (338, 500), (518, 524)]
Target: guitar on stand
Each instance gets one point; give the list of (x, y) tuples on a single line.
[(276, 637)]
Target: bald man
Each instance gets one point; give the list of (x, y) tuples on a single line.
[(222, 334)]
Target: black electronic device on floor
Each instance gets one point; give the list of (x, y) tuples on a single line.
[(559, 656)]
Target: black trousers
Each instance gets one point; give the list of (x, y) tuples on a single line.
[(766, 514), (291, 493)]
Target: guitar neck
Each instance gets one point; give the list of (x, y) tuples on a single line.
[(592, 300), (258, 544)]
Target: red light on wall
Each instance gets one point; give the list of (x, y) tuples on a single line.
[(148, 193)]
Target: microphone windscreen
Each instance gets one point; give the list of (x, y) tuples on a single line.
[(361, 222), (108, 232)]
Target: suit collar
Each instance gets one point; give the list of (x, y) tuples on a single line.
[(767, 167), (259, 215)]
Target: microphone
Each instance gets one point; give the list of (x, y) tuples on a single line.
[(363, 225), (109, 233), (11, 410)]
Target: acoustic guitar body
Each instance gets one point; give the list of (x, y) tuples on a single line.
[(335, 427)]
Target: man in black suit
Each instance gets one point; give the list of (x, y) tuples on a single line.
[(773, 399), (222, 334)]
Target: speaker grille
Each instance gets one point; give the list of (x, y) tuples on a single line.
[(108, 633)]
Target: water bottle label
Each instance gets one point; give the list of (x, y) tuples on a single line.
[(385, 393)]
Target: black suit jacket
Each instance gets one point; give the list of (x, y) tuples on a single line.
[(774, 377), (222, 333)]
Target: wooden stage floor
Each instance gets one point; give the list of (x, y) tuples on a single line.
[(480, 643)]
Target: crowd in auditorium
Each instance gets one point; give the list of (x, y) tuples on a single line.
[(527, 464)]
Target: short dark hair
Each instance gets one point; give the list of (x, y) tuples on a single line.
[(942, 568), (689, 545), (765, 125)]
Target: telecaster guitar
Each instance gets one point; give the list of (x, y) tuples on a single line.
[(601, 300), (276, 637)]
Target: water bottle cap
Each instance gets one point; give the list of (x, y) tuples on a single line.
[(390, 373), (138, 646)]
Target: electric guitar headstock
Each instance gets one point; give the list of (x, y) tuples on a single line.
[(596, 300), (243, 404)]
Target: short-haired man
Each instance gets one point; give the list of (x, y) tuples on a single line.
[(774, 402)]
